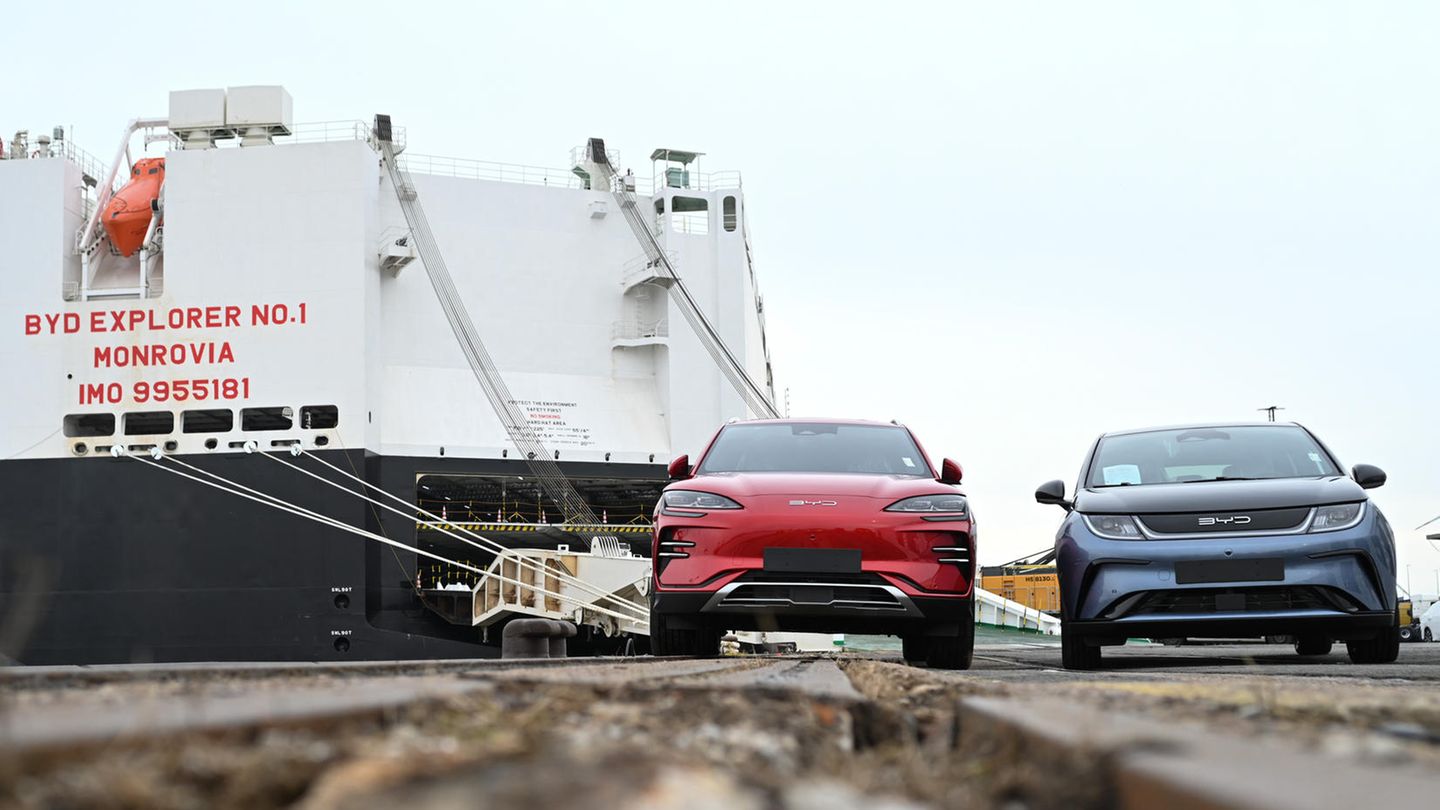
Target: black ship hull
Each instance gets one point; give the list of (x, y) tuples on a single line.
[(114, 561)]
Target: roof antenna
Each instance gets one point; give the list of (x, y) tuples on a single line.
[(1271, 409)]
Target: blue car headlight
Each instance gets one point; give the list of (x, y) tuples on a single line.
[(1114, 527), (1337, 517), (949, 503)]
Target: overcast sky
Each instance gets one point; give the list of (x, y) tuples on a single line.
[(1012, 226)]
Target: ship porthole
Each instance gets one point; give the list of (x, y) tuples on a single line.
[(342, 601), (211, 444), (342, 644), (321, 441), (81, 448), (171, 446)]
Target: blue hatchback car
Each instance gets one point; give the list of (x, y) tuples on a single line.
[(1223, 531)]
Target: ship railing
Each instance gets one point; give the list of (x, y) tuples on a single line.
[(580, 154), (639, 330), (89, 165), (330, 131), (488, 170), (696, 182)]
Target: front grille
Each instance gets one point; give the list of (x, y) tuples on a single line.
[(1230, 600), (1224, 521)]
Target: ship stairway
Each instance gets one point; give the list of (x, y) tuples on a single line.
[(758, 399), (522, 434), (537, 583)]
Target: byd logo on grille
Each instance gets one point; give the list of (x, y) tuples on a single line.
[(1238, 520), (813, 503)]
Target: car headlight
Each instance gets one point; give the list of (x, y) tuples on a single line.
[(689, 499), (949, 502), (1114, 527), (1334, 518)]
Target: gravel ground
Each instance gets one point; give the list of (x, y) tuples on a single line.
[(750, 733)]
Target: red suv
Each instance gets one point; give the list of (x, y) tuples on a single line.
[(806, 525)]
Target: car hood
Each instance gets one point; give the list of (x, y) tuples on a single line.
[(743, 485), (1207, 496)]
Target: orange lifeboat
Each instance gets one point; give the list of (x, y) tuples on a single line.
[(127, 215)]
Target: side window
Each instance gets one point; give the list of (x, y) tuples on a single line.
[(267, 418), (319, 417), (90, 424), (208, 421), (690, 215), (142, 423), (728, 210)]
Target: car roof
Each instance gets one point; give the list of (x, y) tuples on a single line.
[(1200, 426), (810, 420)]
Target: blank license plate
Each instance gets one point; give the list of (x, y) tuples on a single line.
[(1266, 569), (813, 560)]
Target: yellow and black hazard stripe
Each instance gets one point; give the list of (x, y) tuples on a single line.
[(596, 528)]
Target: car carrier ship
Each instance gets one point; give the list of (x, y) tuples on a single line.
[(215, 341)]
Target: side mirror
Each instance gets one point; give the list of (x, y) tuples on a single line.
[(679, 468), (950, 472), (1053, 492), (1368, 476)]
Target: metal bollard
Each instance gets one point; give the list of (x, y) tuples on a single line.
[(527, 638), (563, 631)]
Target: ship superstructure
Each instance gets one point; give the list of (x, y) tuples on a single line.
[(273, 298)]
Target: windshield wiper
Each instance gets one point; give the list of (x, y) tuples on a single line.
[(1221, 478), (1121, 484)]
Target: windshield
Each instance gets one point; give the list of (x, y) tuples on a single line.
[(816, 447), (1208, 454)]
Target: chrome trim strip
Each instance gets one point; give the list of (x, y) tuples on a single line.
[(949, 548), (674, 554), (902, 604), (1151, 534), (965, 560), (677, 543)]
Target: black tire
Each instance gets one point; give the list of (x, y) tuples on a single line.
[(1407, 633), (1427, 635), (1313, 645), (1074, 652), (666, 640), (1382, 649), (914, 648), (957, 650)]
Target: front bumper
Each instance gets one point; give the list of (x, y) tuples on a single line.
[(1341, 584), (731, 607)]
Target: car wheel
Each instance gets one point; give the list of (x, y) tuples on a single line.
[(1074, 652), (1313, 645), (1427, 635), (954, 651), (914, 648), (666, 640), (1382, 649), (1407, 634)]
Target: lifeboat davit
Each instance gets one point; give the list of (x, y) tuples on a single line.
[(127, 215)]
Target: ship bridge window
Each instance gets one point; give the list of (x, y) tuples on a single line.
[(267, 418), (144, 423), (90, 424), (319, 417), (212, 421), (728, 210), (689, 215)]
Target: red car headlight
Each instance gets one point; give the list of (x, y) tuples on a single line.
[(949, 503), (690, 499)]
